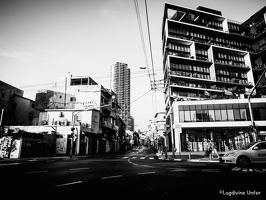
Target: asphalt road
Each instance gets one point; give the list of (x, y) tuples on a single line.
[(135, 175)]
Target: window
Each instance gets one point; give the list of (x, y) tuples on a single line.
[(217, 115), (211, 115), (193, 115), (181, 116), (224, 115), (187, 116)]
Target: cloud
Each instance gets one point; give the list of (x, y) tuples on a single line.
[(25, 56)]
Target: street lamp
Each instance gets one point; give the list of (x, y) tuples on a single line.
[(249, 105)]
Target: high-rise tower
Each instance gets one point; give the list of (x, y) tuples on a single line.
[(121, 86)]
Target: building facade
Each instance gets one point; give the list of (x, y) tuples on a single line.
[(80, 117), (211, 65), (121, 87), (14, 108)]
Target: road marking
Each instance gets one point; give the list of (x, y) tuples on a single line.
[(146, 173), (142, 158), (151, 158), (126, 157), (81, 168), (71, 183), (35, 172), (236, 169), (178, 170), (107, 177), (7, 164), (134, 157)]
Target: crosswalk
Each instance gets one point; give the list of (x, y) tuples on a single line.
[(139, 157), (245, 170)]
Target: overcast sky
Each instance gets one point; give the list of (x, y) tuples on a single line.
[(41, 40)]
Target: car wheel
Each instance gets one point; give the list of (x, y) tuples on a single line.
[(243, 161)]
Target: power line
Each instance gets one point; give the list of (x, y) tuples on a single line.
[(141, 96), (149, 34)]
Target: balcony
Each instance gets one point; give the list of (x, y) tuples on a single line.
[(109, 125)]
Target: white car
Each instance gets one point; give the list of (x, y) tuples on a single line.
[(254, 152)]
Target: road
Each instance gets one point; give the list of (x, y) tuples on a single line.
[(134, 175)]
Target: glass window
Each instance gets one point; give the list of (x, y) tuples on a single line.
[(217, 115), (229, 106), (186, 107), (236, 114), (235, 105), (193, 115), (230, 115), (242, 105), (210, 107), (181, 116), (198, 107), (243, 114), (204, 107), (199, 115), (205, 115), (192, 107), (223, 106), (223, 115), (217, 107), (187, 116), (262, 110), (211, 115), (181, 107)]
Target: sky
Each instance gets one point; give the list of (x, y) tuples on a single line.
[(41, 40)]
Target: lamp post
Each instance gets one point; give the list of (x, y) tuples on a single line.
[(250, 108)]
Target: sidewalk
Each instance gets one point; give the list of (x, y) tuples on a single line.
[(189, 157), (4, 161)]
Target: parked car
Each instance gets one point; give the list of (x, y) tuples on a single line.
[(254, 152)]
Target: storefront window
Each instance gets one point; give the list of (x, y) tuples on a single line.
[(230, 114), (221, 112), (243, 114), (224, 115), (211, 115), (236, 112), (217, 115), (193, 115), (181, 116), (187, 116)]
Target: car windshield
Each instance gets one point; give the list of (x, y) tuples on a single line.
[(247, 146)]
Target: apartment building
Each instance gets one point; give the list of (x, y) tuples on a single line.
[(121, 86), (211, 64)]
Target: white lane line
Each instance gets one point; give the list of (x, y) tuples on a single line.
[(146, 173), (81, 168), (142, 158), (116, 176), (133, 157), (71, 183), (35, 172), (151, 158), (178, 170), (126, 157)]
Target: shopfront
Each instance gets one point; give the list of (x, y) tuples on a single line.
[(225, 122)]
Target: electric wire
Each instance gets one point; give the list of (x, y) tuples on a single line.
[(149, 34)]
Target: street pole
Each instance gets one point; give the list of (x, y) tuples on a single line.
[(2, 113), (250, 108)]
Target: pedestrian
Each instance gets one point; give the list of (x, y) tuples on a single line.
[(214, 151)]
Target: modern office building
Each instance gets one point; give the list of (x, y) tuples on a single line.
[(121, 87), (211, 65)]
